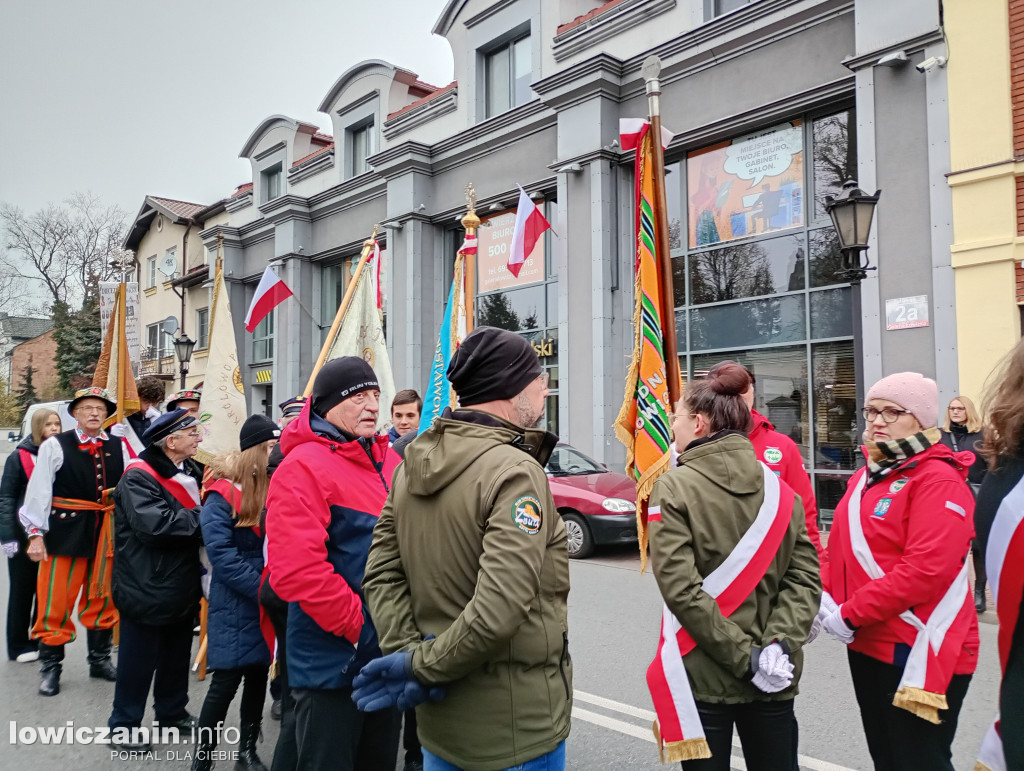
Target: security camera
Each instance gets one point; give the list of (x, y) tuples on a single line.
[(931, 63)]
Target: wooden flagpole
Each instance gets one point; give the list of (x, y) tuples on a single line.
[(340, 315), (470, 222), (122, 348), (651, 72)]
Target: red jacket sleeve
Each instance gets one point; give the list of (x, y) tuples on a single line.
[(297, 521), (938, 538), (794, 475)]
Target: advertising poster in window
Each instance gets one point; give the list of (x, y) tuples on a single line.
[(493, 245), (746, 187)]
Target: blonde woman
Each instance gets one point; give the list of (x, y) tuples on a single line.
[(962, 431), (21, 602), (237, 651)]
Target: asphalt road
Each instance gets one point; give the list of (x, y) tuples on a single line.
[(614, 612)]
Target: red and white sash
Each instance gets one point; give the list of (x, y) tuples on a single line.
[(1004, 563), (678, 729), (28, 462), (930, 665), (183, 487)]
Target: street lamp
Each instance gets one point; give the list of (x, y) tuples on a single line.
[(183, 345), (852, 212)]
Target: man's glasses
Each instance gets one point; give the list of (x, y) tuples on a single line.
[(889, 414)]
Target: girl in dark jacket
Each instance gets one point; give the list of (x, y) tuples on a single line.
[(962, 431), (22, 570), (999, 520), (237, 651)]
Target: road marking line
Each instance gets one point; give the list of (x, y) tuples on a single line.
[(618, 706), (646, 734)]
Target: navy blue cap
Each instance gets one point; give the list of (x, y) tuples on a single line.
[(292, 406), (167, 424)]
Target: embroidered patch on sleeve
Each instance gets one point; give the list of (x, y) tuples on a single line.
[(526, 513)]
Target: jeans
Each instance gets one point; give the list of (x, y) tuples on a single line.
[(767, 730), (332, 733), (552, 761), (896, 738), (151, 654)]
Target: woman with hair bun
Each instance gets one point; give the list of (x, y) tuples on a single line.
[(741, 585)]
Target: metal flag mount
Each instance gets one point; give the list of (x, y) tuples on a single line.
[(470, 222)]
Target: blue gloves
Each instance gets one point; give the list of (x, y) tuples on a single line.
[(389, 682)]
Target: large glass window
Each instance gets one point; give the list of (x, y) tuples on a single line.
[(202, 329), (755, 265), (507, 73), (263, 339), (362, 146)]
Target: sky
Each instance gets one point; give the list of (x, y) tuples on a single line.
[(128, 98)]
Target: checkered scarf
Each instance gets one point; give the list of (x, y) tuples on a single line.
[(887, 456)]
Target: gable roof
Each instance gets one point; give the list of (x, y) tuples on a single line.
[(24, 327), (178, 212)]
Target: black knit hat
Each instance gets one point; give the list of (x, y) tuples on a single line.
[(257, 429), (492, 364), (339, 379)]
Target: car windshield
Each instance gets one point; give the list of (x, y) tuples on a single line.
[(566, 461)]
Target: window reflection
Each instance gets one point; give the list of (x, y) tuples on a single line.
[(826, 259), (835, 406), (831, 313), (517, 310), (835, 156), (756, 322), (747, 270)]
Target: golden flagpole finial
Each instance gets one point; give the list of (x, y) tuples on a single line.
[(470, 222)]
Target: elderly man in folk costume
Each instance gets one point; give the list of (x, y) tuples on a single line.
[(65, 516)]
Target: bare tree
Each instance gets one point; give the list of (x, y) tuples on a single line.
[(65, 248)]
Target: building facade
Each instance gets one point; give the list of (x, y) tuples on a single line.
[(40, 355), (15, 330), (986, 97), (773, 104)]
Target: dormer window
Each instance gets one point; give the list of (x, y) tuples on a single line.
[(508, 70), (271, 183), (362, 144)]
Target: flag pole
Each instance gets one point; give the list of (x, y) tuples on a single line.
[(340, 315), (122, 348), (470, 222), (651, 72)]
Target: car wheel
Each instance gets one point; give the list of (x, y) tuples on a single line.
[(581, 543)]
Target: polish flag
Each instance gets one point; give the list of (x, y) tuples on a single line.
[(271, 292), (632, 129), (530, 224)]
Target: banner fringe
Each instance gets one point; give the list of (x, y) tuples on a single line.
[(686, 749), (924, 704), (979, 766)]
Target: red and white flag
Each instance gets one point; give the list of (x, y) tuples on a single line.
[(632, 129), (271, 292), (530, 224)]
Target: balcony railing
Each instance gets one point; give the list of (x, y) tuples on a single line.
[(158, 361)]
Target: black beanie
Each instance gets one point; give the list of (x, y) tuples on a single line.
[(257, 429), (492, 364), (338, 380)]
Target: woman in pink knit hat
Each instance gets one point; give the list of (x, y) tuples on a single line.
[(898, 552)]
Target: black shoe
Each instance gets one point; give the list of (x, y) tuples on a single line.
[(413, 765), (127, 745), (275, 709), (50, 658), (100, 641), (202, 760), (185, 724), (248, 760), (980, 603)]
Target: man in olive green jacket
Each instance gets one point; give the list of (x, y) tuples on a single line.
[(471, 552)]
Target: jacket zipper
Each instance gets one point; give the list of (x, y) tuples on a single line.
[(561, 662)]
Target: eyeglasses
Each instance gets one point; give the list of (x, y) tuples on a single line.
[(190, 434), (889, 414), (673, 415), (91, 410)]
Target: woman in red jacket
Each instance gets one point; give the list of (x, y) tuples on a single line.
[(898, 553)]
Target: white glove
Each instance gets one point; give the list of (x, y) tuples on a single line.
[(828, 605), (117, 430), (10, 548), (834, 624), (774, 670)]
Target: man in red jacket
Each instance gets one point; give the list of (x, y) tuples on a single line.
[(781, 455)]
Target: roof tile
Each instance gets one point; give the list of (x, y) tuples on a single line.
[(423, 100)]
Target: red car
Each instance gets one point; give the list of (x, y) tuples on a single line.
[(598, 506)]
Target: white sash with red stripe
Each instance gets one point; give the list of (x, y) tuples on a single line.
[(678, 729), (1004, 563), (930, 665), (183, 487)]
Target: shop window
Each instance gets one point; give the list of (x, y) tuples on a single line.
[(831, 313), (750, 269), (508, 71), (755, 322), (263, 339), (834, 139), (835, 406), (826, 259)]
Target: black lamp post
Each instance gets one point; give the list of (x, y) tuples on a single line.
[(183, 345), (852, 212)]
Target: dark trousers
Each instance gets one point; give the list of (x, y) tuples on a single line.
[(286, 752), (223, 687), (1011, 707), (410, 739), (332, 733), (767, 729), (21, 604), (157, 655), (897, 739)]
